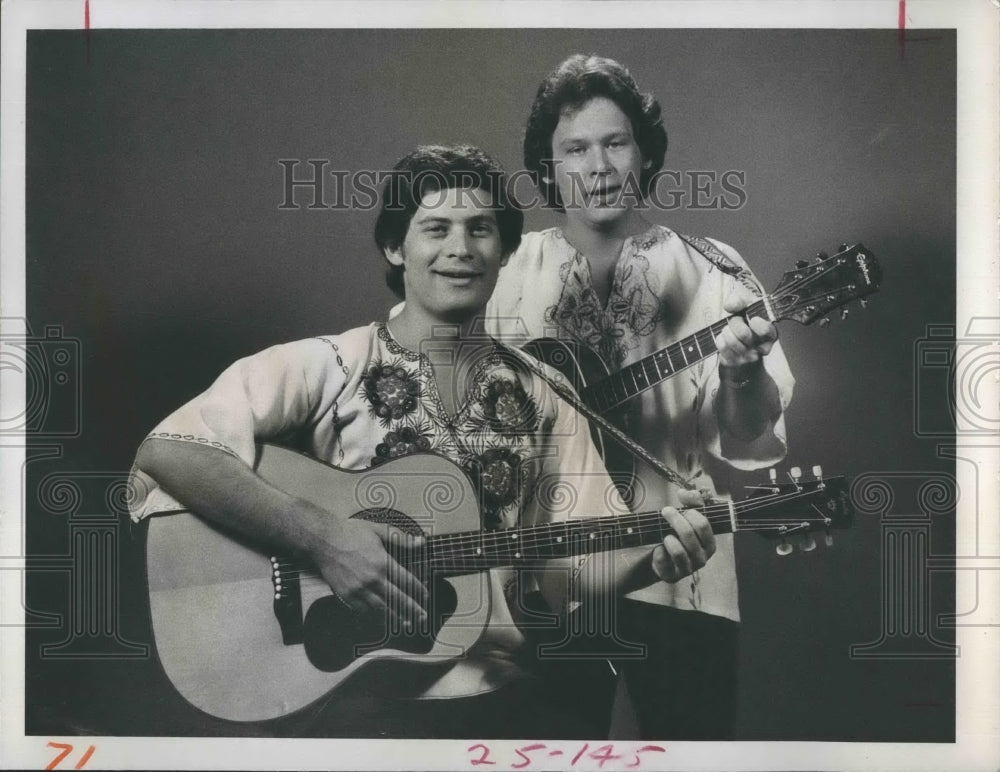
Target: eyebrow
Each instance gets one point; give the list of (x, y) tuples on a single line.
[(604, 138), (438, 219)]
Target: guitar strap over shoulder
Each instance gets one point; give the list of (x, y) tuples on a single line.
[(564, 391), (712, 253)]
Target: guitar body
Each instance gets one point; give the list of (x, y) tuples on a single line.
[(245, 635), (236, 652), (582, 368)]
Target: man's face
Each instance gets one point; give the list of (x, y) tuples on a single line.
[(597, 162), (451, 255)]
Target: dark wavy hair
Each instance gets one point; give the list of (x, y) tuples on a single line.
[(430, 169), (569, 87)]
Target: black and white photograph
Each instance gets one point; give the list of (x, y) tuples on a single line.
[(517, 385)]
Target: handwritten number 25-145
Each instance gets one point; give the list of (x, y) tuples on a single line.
[(528, 753)]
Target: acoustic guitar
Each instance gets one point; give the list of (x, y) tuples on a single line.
[(246, 634)]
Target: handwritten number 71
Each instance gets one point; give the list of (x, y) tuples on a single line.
[(67, 749)]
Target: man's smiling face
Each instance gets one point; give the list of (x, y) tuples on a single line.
[(452, 254)]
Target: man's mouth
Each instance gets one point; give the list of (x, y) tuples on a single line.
[(458, 274), (605, 194)]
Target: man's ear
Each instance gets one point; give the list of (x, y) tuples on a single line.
[(394, 256), (504, 259)]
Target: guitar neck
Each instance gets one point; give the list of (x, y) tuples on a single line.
[(651, 370), (468, 552)]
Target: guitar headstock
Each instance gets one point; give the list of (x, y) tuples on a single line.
[(812, 290), (799, 507)]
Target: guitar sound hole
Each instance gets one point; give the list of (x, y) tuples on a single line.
[(335, 636)]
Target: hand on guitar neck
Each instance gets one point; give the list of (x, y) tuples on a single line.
[(747, 401)]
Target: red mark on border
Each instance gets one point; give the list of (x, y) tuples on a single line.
[(66, 750), (902, 27), (86, 26), (85, 758)]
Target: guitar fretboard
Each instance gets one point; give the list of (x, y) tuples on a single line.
[(468, 552), (649, 371)]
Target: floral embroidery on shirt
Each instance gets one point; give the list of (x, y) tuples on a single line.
[(403, 441), (392, 391), (498, 474), (506, 408), (633, 308), (487, 436)]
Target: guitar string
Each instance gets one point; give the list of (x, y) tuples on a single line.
[(643, 523), (702, 338), (454, 547)]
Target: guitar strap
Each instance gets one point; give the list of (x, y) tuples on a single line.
[(570, 396)]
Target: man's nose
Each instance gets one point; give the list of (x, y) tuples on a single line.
[(600, 163), (459, 243)]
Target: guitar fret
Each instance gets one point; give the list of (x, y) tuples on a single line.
[(645, 374), (662, 362), (672, 352), (638, 370)]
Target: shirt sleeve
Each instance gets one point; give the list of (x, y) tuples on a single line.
[(771, 446), (265, 397)]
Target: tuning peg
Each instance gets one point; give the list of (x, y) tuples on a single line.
[(824, 322), (772, 474), (843, 313), (801, 263), (821, 256), (864, 303), (808, 543), (828, 539), (842, 247), (795, 473), (817, 472), (783, 548)]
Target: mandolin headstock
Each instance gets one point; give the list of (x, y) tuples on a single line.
[(812, 290)]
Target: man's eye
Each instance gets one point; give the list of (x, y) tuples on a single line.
[(483, 230), (435, 229), (575, 151)]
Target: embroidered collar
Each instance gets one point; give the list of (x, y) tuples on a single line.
[(395, 347)]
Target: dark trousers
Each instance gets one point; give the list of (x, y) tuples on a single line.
[(524, 709), (686, 686)]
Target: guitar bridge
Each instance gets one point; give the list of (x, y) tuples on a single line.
[(287, 600)]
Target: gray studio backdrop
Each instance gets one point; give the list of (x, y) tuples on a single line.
[(157, 245)]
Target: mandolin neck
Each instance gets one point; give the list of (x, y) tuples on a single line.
[(651, 370)]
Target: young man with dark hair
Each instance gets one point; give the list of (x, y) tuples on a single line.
[(363, 397), (626, 288)]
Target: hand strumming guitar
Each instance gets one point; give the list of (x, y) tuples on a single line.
[(350, 554), (353, 557)]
